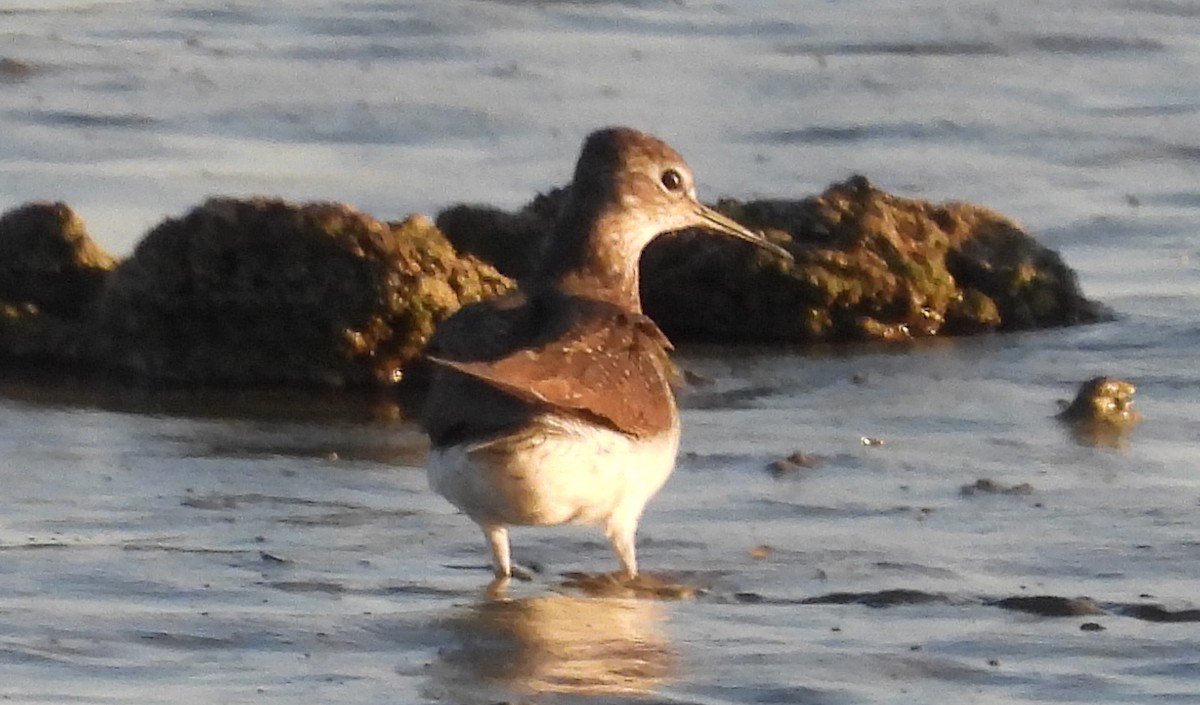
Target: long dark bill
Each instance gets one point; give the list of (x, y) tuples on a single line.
[(713, 220)]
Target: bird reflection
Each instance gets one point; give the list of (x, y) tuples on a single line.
[(554, 643)]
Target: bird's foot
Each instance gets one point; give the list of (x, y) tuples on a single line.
[(498, 588)]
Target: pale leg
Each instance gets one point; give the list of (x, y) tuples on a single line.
[(624, 545), (497, 537)]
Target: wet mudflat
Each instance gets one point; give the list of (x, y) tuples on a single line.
[(936, 536), (292, 551)]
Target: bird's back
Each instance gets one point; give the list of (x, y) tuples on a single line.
[(502, 362)]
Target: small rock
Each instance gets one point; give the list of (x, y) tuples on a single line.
[(987, 485), (1050, 605), (879, 599), (1102, 412), (1103, 399), (794, 463), (1158, 613)]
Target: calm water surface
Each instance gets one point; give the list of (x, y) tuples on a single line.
[(166, 549)]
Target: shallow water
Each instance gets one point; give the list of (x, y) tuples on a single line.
[(205, 549)]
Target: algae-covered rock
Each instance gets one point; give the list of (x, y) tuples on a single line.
[(266, 292), (47, 259), (868, 266), (1102, 413), (30, 335), (511, 242), (51, 272), (1103, 400)]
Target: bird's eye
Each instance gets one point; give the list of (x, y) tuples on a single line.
[(672, 180)]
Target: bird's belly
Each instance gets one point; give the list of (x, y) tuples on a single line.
[(554, 473)]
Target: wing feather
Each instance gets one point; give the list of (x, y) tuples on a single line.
[(574, 355)]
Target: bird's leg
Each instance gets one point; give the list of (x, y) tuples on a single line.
[(497, 537), (621, 535)]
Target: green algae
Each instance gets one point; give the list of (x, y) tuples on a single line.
[(267, 292), (868, 265), (264, 292)]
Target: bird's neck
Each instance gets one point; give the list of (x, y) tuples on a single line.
[(594, 256)]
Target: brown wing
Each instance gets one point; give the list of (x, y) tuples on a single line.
[(582, 357)]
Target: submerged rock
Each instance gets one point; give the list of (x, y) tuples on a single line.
[(868, 266), (880, 598), (1049, 605), (1103, 400), (795, 464), (267, 292), (986, 485)]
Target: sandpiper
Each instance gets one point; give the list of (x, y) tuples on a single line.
[(552, 404)]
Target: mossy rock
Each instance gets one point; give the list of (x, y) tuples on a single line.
[(32, 337), (511, 242), (267, 292), (1102, 412), (1103, 400), (868, 265), (47, 259), (263, 292), (51, 273)]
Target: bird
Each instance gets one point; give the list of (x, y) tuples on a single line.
[(552, 404)]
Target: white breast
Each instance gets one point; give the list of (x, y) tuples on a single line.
[(558, 471)]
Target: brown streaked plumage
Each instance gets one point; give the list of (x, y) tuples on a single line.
[(552, 404), (603, 363)]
